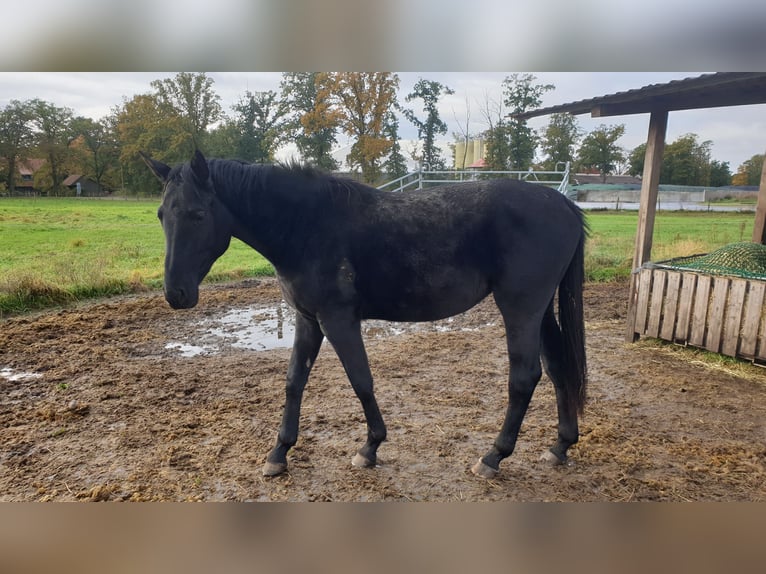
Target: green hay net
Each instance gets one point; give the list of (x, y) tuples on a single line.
[(746, 260)]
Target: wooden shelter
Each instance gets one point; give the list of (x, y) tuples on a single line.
[(721, 314)]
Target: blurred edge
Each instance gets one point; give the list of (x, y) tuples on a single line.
[(117, 538), (264, 35)]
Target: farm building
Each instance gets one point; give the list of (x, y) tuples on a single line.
[(470, 152), (27, 168), (79, 185), (83, 186), (716, 307)]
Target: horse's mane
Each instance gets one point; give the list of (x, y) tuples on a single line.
[(329, 183), (302, 168), (247, 178)]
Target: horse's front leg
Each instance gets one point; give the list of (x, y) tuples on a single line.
[(346, 337), (308, 340)]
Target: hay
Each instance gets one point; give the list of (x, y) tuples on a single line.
[(747, 260)]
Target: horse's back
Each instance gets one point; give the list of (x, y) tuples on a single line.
[(470, 224), (430, 254)]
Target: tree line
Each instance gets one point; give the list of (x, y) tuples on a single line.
[(310, 110)]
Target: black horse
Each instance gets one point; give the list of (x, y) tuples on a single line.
[(345, 252)]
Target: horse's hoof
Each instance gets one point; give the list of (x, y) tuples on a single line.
[(553, 460), (361, 461), (483, 470), (274, 468)]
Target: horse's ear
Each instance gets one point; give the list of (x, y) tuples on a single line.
[(199, 167), (158, 168)]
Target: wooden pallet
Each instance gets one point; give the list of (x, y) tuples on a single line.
[(721, 314)]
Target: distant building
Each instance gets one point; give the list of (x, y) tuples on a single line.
[(480, 163), (83, 186), (469, 154), (27, 168)]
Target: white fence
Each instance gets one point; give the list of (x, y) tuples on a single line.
[(558, 180)]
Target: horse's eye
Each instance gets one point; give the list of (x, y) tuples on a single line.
[(160, 213)]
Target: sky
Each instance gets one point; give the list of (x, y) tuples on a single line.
[(737, 133)]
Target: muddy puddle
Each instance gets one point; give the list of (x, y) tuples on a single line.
[(254, 328), (267, 327), (14, 376)]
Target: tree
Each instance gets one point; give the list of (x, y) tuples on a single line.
[(430, 92), (749, 172), (498, 146), (636, 160), (142, 125), (396, 164), (223, 140), (315, 122), (15, 137), (52, 137), (463, 136), (497, 136), (686, 162), (262, 125), (599, 149), (521, 95), (560, 139), (720, 173), (191, 96), (364, 100), (101, 149)]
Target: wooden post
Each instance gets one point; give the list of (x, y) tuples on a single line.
[(655, 145), (759, 230)]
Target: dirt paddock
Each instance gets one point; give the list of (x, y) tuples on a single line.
[(126, 399)]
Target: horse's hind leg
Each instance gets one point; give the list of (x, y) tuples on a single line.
[(346, 338), (552, 353), (523, 338), (308, 340)]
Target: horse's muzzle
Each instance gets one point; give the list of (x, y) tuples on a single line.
[(180, 298)]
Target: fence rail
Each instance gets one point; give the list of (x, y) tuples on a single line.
[(424, 178)]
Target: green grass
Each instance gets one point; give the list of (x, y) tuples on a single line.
[(609, 250), (55, 251)]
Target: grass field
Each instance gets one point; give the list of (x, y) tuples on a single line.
[(58, 250), (54, 251), (609, 251)]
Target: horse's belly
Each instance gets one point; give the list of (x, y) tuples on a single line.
[(402, 303)]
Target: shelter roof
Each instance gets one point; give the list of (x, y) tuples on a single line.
[(71, 180), (720, 89)]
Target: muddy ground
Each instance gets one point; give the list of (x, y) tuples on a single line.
[(110, 401)]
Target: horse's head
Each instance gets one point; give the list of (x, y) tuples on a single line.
[(197, 227)]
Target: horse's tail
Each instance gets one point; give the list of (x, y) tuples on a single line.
[(573, 327)]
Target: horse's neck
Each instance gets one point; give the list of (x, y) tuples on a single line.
[(270, 216)]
